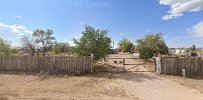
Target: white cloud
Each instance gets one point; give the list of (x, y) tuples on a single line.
[(19, 16), (13, 33), (121, 34), (165, 37), (82, 22), (71, 42), (179, 7), (197, 30), (76, 35), (148, 30)]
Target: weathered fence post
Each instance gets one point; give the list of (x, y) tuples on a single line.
[(158, 65), (124, 64), (92, 62), (183, 73)]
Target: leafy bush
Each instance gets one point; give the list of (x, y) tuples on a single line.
[(152, 44), (125, 45), (93, 41), (4, 47), (61, 48)]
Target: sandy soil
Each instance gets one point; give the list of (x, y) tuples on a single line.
[(195, 82), (149, 86), (95, 86), (141, 66), (138, 83)]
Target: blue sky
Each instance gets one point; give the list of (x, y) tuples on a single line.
[(181, 21)]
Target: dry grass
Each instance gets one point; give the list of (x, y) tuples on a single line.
[(95, 86)]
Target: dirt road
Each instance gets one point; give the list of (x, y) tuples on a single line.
[(148, 86)]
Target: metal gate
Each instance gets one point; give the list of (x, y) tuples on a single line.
[(123, 62)]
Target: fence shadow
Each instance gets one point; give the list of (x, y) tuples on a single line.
[(126, 76), (196, 76), (115, 72), (17, 73)]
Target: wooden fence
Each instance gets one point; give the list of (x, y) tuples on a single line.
[(30, 64), (174, 65)]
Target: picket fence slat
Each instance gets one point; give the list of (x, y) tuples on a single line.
[(63, 64), (174, 65)]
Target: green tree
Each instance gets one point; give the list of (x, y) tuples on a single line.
[(61, 48), (193, 48), (93, 41), (4, 47), (150, 45), (14, 50), (125, 45), (45, 38)]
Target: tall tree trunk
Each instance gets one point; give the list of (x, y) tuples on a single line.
[(44, 50), (32, 53), (38, 50), (43, 53)]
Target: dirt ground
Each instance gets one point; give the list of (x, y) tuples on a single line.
[(139, 83), (94, 86), (195, 82)]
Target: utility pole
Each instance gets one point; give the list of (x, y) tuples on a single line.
[(113, 44)]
